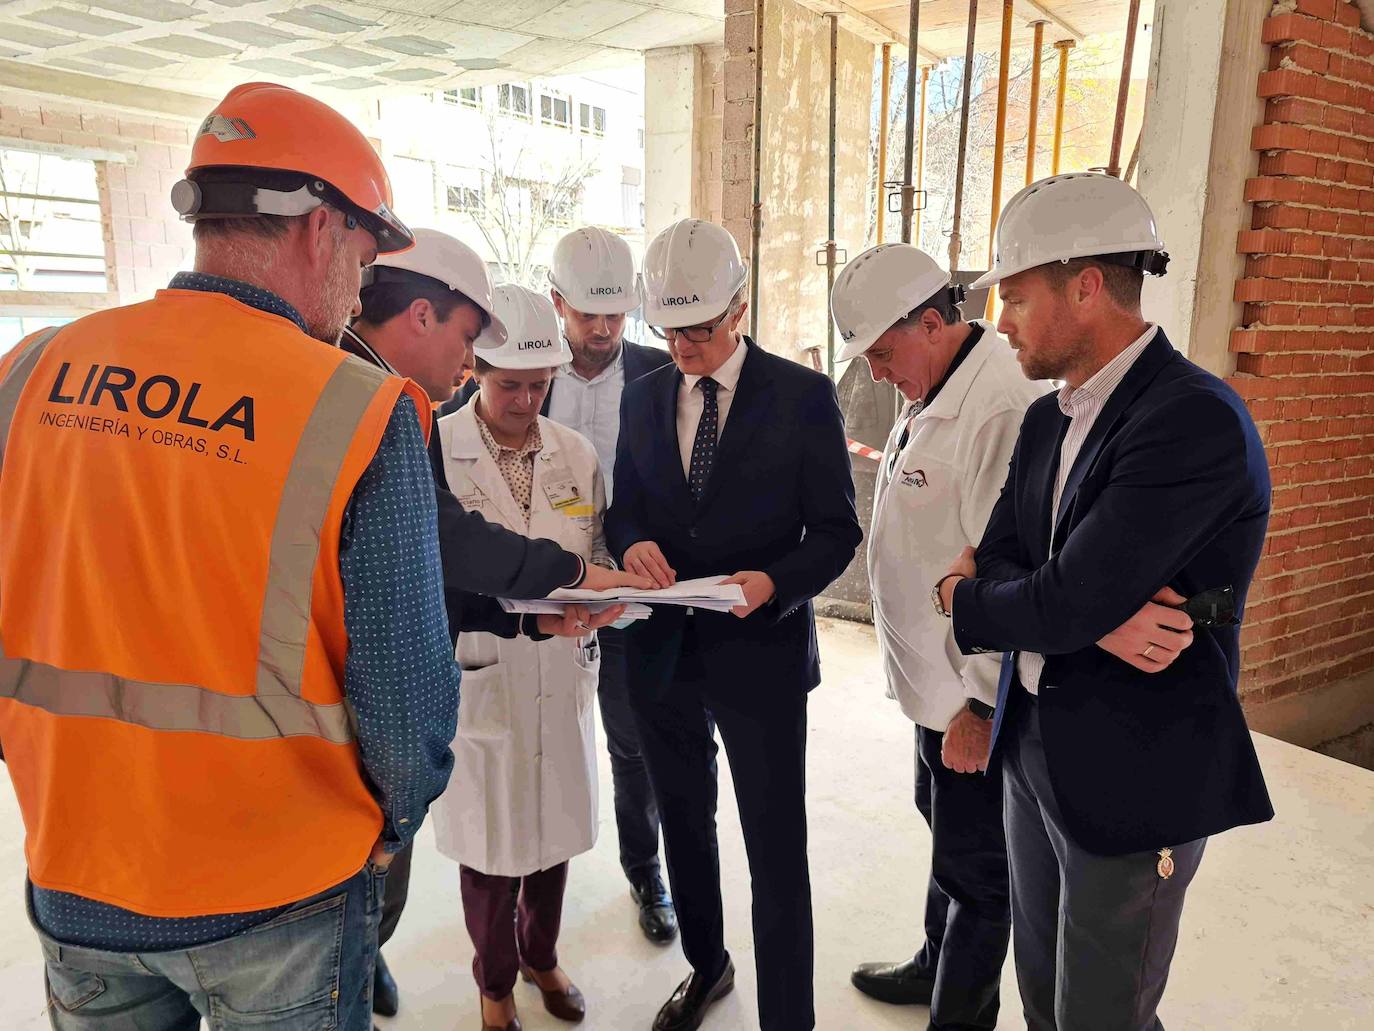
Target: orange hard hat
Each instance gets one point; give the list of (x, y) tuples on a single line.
[(271, 150)]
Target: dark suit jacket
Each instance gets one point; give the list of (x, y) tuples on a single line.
[(1171, 487), (483, 561), (639, 362), (780, 500)]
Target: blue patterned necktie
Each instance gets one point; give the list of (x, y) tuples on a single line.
[(704, 446)]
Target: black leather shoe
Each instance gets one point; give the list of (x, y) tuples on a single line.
[(657, 917), (386, 997), (687, 1008), (902, 984)]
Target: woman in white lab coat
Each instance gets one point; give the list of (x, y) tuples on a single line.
[(523, 797)]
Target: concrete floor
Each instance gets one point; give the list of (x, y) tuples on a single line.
[(1279, 932)]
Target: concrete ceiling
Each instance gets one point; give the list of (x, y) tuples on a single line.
[(393, 46)]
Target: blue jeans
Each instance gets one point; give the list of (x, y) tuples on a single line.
[(310, 968)]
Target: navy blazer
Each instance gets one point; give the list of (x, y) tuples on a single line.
[(780, 500), (639, 362), (1170, 487)]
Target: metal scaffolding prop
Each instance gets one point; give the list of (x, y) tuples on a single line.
[(1032, 124), (1063, 46), (912, 60), (955, 239), (882, 140), (756, 223), (830, 248), (999, 145), (921, 154), (1123, 91)]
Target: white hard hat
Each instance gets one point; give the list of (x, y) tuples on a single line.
[(1079, 215), (451, 263), (594, 271), (692, 270), (880, 286), (531, 339)]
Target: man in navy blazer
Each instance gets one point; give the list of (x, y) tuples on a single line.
[(1140, 484), (731, 461)]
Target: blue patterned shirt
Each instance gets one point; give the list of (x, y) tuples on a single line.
[(399, 678)]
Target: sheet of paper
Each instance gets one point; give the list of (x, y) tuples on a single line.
[(543, 606), (707, 592)]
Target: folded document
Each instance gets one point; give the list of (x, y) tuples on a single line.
[(707, 592)]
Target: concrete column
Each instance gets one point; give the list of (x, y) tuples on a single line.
[(673, 177), (737, 147), (1195, 158)]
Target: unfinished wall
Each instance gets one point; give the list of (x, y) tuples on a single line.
[(1195, 159), (138, 158), (1305, 350), (793, 305), (710, 92)]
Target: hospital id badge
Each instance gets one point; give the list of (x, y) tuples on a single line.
[(561, 490)]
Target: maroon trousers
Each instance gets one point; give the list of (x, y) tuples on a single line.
[(512, 920)]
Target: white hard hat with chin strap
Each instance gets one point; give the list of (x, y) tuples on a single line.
[(453, 265), (1079, 215), (594, 272), (692, 271), (532, 339), (881, 286)]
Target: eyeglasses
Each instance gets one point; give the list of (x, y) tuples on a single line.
[(696, 334)]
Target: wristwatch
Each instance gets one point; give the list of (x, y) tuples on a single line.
[(935, 594), (980, 709)]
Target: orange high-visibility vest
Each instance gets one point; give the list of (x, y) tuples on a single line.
[(173, 481)]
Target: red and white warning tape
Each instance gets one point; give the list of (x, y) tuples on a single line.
[(855, 448)]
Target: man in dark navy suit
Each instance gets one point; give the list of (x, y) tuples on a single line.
[(1137, 494), (730, 461)]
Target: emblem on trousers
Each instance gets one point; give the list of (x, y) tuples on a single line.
[(1166, 863)]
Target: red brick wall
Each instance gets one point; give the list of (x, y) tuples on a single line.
[(1305, 353), (145, 243)]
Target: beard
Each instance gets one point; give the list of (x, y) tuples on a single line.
[(596, 354), (337, 295)]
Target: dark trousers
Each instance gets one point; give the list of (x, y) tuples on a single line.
[(1093, 935), (765, 739), (512, 920), (968, 904), (636, 812), (397, 890)]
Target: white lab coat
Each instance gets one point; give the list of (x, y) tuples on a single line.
[(523, 795), (930, 503)]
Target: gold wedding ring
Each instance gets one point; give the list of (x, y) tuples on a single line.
[(1148, 648)]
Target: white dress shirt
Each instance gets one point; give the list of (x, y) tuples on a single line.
[(691, 401), (1082, 405), (592, 408)]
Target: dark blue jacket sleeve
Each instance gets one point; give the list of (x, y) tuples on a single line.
[(624, 519), (828, 513), (1000, 554), (400, 679), (1181, 477)]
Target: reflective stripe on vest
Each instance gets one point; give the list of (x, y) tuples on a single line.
[(276, 709)]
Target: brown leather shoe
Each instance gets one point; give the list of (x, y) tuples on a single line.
[(565, 1005), (514, 1024)]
